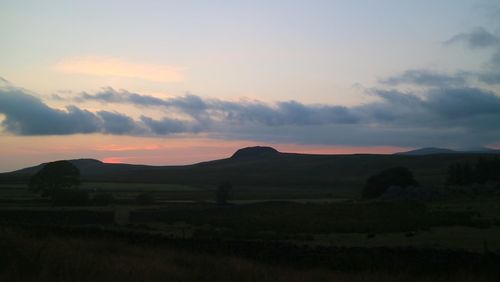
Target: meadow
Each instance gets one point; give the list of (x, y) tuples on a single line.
[(39, 254), (305, 231), (311, 217)]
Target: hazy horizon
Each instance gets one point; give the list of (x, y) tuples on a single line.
[(205, 154)]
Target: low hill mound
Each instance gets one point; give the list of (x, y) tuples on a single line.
[(266, 167), (255, 152), (428, 151)]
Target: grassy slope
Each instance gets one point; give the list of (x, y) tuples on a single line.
[(301, 170), (342, 173)]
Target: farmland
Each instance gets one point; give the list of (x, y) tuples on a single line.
[(266, 232)]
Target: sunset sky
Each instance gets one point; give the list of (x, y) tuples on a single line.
[(178, 82)]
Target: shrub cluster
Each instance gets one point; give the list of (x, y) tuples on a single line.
[(483, 171), (377, 184)]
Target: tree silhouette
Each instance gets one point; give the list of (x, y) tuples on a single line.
[(377, 184), (53, 177), (223, 193), (485, 169)]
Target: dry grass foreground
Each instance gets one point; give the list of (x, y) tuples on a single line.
[(35, 256)]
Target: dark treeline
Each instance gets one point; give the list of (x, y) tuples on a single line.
[(484, 170)]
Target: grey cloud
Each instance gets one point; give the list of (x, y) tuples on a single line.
[(205, 111), (425, 78), (492, 73), (492, 77), (77, 120), (190, 104), (477, 38), (245, 112), (463, 103), (27, 115), (361, 135), (448, 112), (481, 38), (110, 95), (167, 125), (116, 123), (300, 114), (495, 60), (458, 116), (465, 108), (394, 107), (283, 113)]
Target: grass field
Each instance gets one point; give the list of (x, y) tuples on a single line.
[(34, 255), (311, 216), (178, 192), (452, 237), (278, 219), (437, 225)]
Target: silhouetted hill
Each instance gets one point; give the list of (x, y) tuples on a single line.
[(264, 166), (254, 152), (434, 151), (82, 164), (90, 169), (428, 151)]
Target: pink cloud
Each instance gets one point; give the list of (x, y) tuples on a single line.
[(109, 66)]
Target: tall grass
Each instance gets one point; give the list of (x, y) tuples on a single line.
[(44, 256)]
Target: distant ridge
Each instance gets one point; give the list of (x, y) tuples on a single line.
[(80, 163), (252, 152), (265, 166), (436, 151), (428, 151)]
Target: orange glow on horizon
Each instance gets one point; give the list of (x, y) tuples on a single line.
[(113, 160), (19, 152)]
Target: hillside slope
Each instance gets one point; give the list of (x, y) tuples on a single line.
[(267, 167)]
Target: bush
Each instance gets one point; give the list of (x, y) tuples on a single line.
[(102, 199), (484, 171), (70, 197), (55, 176), (377, 184)]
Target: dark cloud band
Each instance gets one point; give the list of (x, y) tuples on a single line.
[(422, 77), (459, 116)]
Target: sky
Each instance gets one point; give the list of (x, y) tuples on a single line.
[(178, 82)]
